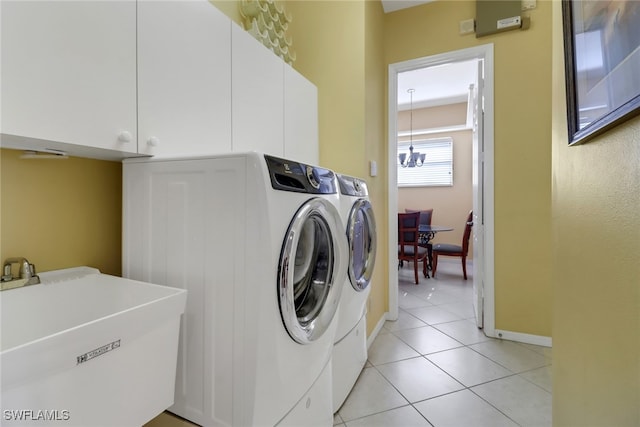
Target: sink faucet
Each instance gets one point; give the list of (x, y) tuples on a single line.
[(27, 276)]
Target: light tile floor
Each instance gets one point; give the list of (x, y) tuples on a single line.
[(434, 367)]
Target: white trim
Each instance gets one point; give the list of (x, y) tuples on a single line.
[(392, 192), (524, 338), (429, 131), (479, 52), (454, 99)]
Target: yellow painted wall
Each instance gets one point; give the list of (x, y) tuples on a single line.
[(522, 65), (229, 8), (61, 213), (329, 41), (339, 49), (375, 150), (596, 269)]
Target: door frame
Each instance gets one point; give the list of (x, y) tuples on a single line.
[(484, 52)]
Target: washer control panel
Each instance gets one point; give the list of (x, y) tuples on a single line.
[(289, 175)]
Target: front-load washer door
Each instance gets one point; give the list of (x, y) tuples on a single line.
[(361, 235), (310, 269)]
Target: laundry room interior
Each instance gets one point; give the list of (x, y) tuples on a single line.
[(563, 282)]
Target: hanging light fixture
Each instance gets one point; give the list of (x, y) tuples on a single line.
[(415, 159)]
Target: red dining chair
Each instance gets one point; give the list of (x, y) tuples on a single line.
[(408, 242), (425, 215), (447, 249), (425, 219)]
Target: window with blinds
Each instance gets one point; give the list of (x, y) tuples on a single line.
[(437, 169)]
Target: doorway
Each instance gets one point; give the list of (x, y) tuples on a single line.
[(482, 176)]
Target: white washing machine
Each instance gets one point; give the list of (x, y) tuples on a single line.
[(350, 348), (258, 242)]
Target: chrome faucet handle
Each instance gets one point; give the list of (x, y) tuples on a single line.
[(6, 273), (27, 273), (26, 270)]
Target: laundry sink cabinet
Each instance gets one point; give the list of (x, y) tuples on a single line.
[(88, 349)]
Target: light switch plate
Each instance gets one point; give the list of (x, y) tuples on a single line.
[(467, 26), (373, 168)]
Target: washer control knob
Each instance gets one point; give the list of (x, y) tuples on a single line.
[(311, 177)]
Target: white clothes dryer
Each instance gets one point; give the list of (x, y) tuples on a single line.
[(258, 242), (350, 348)]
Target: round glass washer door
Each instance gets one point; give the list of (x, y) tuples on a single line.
[(310, 269), (361, 235)]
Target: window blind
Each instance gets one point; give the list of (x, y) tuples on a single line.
[(437, 169)]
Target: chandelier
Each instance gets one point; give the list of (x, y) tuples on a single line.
[(415, 159)]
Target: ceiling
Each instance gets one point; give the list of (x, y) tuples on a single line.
[(437, 85), (393, 5)]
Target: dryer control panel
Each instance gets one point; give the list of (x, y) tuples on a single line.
[(352, 186), (288, 175)]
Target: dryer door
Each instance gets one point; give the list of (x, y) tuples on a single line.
[(311, 270), (361, 234)]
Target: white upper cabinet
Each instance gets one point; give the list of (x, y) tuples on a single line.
[(258, 96), (117, 79), (69, 73), (300, 118), (184, 78)]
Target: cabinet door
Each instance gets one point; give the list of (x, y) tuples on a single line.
[(257, 96), (300, 118), (184, 78), (69, 72)]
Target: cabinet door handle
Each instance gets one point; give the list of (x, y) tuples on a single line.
[(153, 141), (124, 136)]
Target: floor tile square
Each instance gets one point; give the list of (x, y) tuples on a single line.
[(464, 331), (418, 379), (371, 394), (524, 402), (439, 297), (512, 356), (463, 309), (433, 315), (405, 321), (545, 351), (462, 408), (427, 339), (540, 377), (467, 366), (406, 416), (407, 300), (389, 348)]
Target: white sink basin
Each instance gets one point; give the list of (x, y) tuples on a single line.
[(88, 349)]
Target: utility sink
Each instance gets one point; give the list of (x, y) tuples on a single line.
[(88, 349)]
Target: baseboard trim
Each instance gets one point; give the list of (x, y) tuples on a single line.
[(499, 333), (523, 338), (371, 338)]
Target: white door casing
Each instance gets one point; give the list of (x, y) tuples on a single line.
[(478, 195), (483, 53)]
